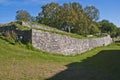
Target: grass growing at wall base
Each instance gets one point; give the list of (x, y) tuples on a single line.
[(25, 48), (22, 62)]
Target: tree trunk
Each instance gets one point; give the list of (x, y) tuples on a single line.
[(69, 30)]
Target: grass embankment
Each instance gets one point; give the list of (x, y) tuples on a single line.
[(53, 30), (19, 63)]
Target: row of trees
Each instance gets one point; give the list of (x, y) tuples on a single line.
[(110, 28), (71, 17)]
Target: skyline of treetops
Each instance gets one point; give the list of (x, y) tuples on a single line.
[(71, 17)]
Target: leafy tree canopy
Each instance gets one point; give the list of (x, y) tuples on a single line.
[(23, 15), (70, 17)]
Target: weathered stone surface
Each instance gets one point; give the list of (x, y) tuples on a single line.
[(29, 24), (24, 34), (62, 44), (56, 43)]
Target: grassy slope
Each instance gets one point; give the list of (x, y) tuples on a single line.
[(54, 30), (19, 63)]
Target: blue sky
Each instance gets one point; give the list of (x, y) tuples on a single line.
[(109, 9)]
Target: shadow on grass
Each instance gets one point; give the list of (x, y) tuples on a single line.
[(103, 66)]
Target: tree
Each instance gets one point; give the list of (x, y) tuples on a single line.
[(108, 27), (117, 32), (58, 16), (94, 28), (23, 15), (49, 14), (33, 19), (81, 21), (69, 17), (92, 12)]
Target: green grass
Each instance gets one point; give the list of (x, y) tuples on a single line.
[(103, 66), (21, 51), (20, 26), (57, 31), (63, 33), (18, 62), (54, 30)]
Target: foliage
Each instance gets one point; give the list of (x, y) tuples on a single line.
[(69, 17), (118, 32), (108, 27), (23, 15), (54, 30), (72, 18), (33, 19), (92, 12)]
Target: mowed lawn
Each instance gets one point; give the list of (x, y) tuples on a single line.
[(19, 63)]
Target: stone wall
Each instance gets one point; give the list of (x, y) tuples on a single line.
[(34, 25), (62, 44), (55, 43), (21, 35)]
